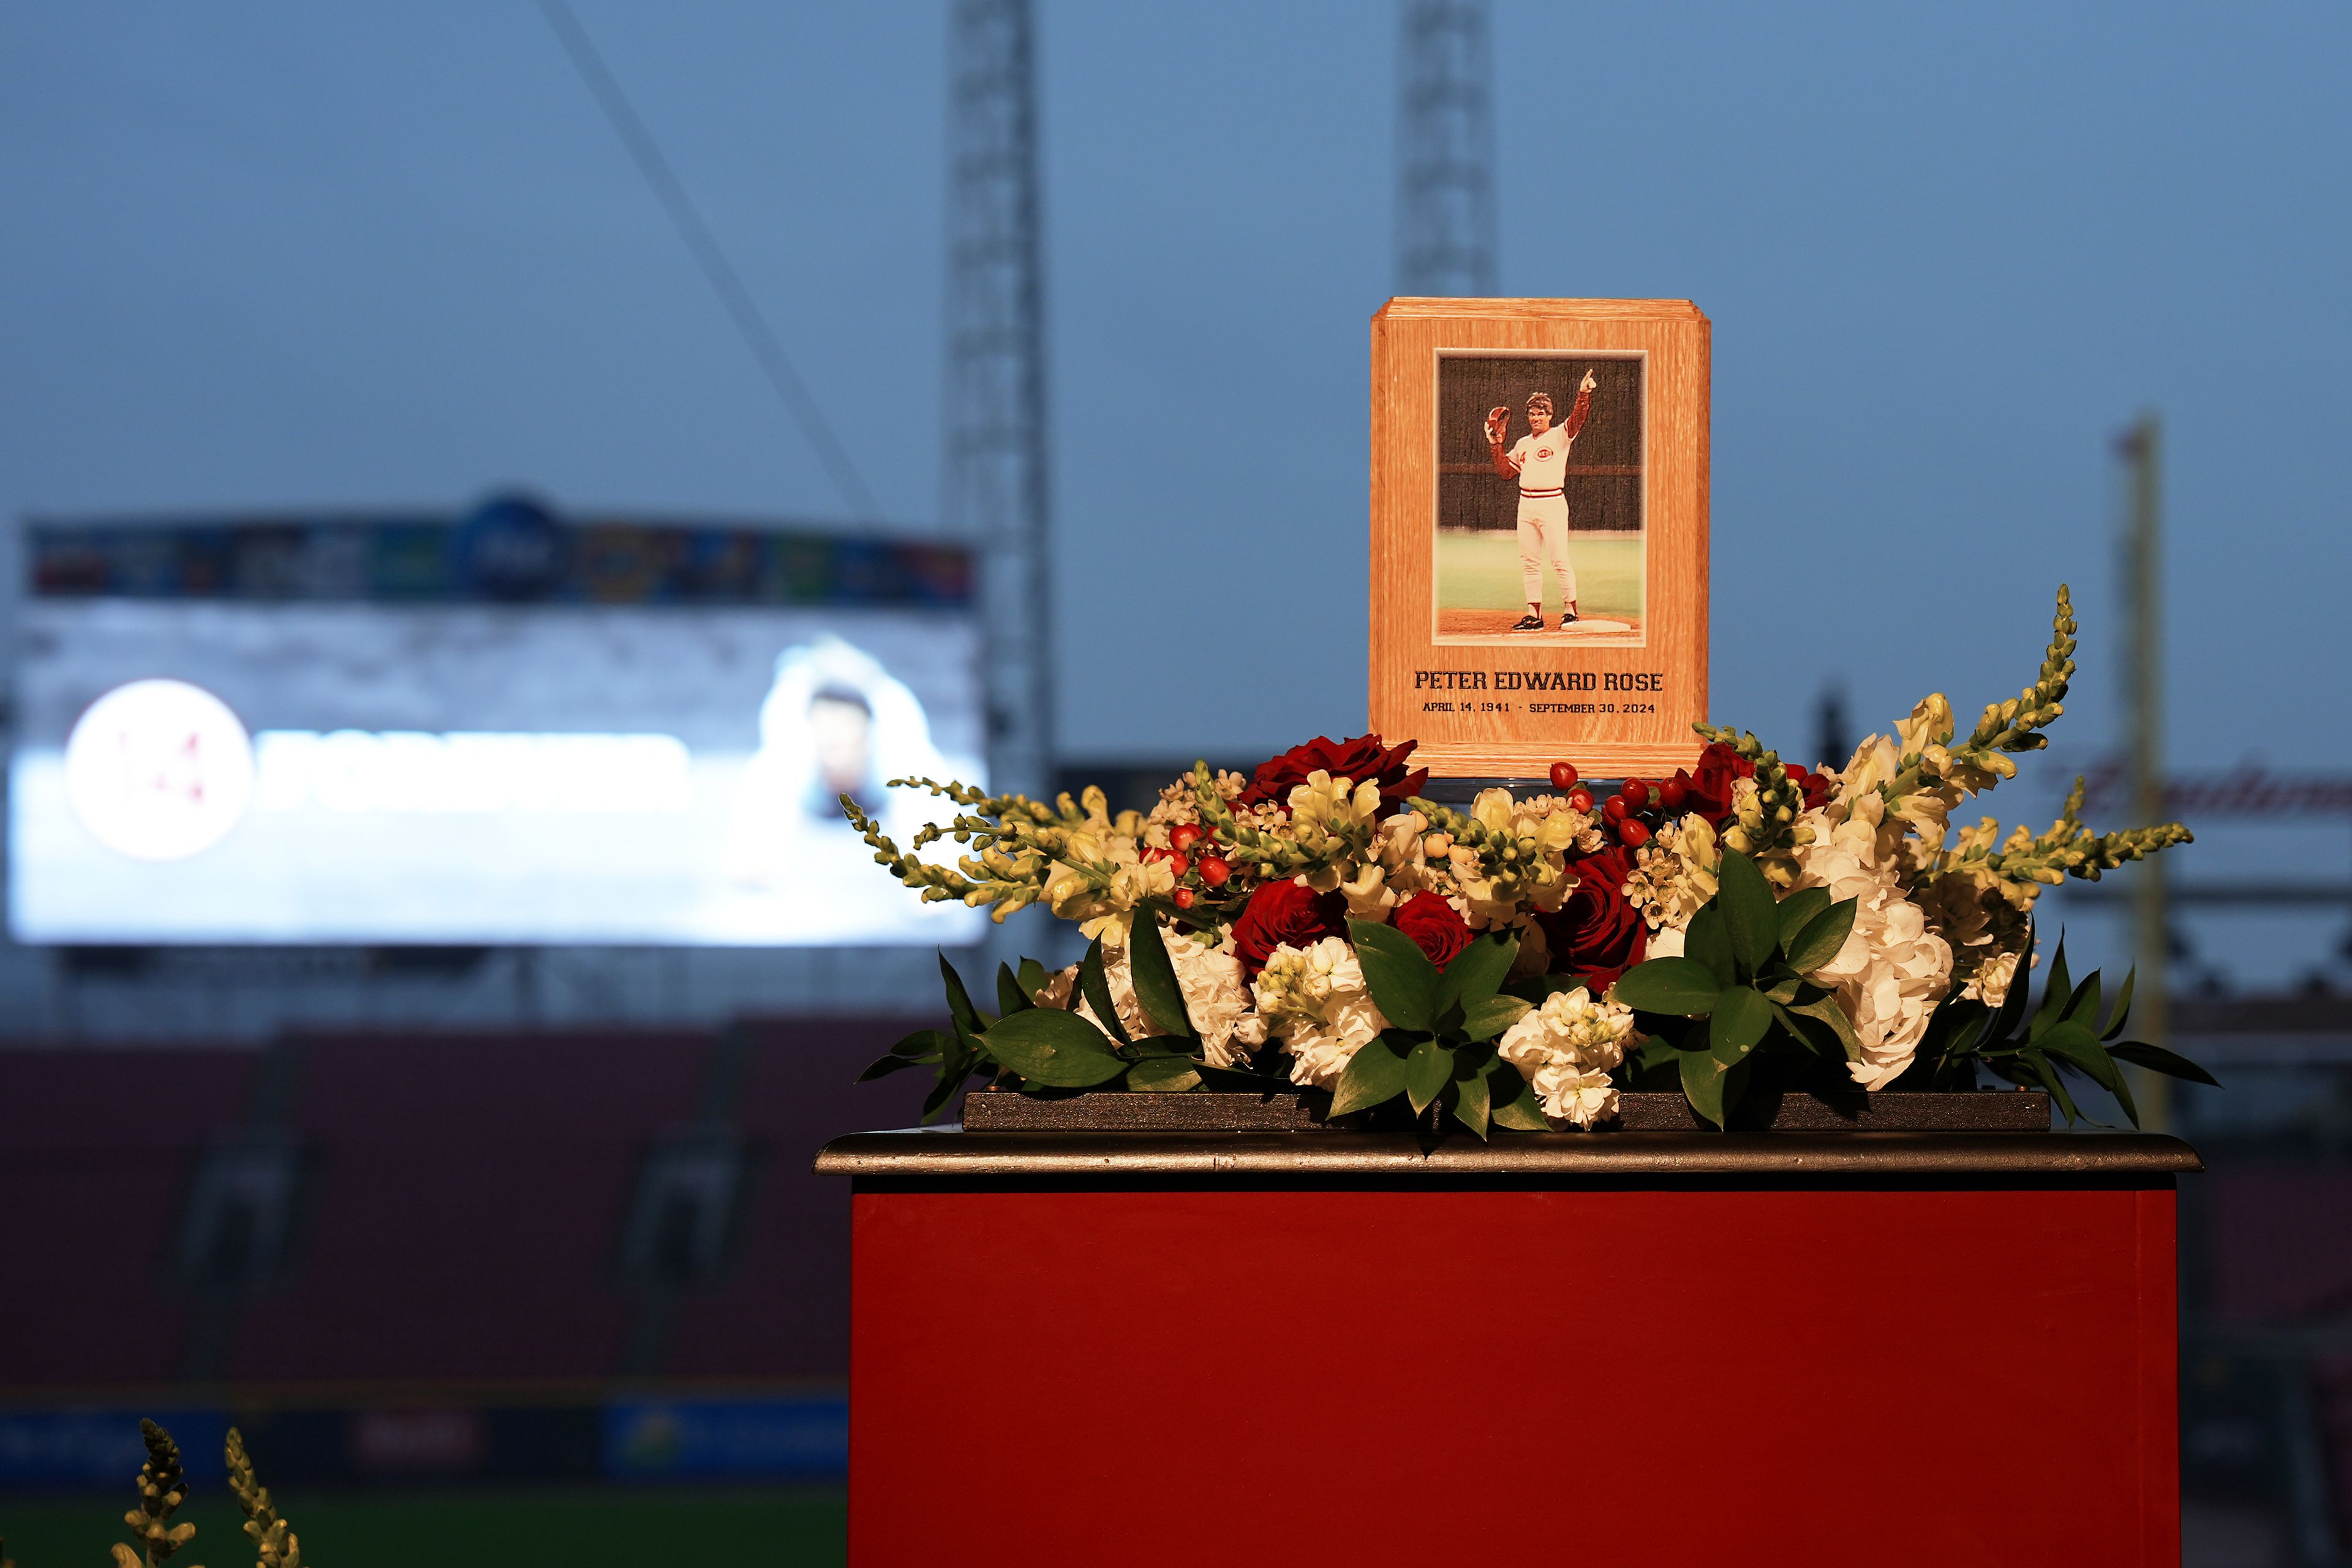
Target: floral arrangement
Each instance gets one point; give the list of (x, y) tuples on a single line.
[(1749, 921)]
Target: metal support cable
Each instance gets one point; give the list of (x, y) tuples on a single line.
[(722, 277)]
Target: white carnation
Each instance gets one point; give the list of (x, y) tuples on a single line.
[(1314, 1000), (1565, 1049), (1893, 969)]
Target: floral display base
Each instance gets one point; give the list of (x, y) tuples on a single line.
[(1984, 1110)]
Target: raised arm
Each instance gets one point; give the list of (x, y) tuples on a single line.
[(1498, 426), (1583, 406)]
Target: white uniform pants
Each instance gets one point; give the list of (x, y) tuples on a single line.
[(1543, 536)]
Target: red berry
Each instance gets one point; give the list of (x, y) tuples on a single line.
[(1184, 835), (1178, 864), (1633, 835), (1563, 775), (1654, 793), (1581, 798), (1674, 794), (1634, 791), (1215, 872), (1615, 810), (1185, 898)]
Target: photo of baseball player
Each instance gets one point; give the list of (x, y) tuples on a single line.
[(1539, 462), (1539, 534)]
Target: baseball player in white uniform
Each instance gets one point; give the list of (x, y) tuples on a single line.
[(1540, 460)]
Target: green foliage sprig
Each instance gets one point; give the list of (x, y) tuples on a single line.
[(1031, 1046), (1439, 1047), (163, 1488), (2063, 1038), (1739, 993)]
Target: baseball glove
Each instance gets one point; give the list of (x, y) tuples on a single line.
[(1498, 425)]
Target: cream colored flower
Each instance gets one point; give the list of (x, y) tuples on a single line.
[(1675, 874), (1216, 999), (1330, 802), (1992, 980), (1565, 1048), (1893, 969), (1313, 999)]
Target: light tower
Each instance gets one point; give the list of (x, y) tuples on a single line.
[(996, 494), (1445, 149)]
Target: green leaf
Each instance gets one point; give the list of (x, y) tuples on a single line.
[(1703, 1085), (2076, 1044), (1010, 997), (1426, 1070), (1402, 981), (2116, 1019), (1708, 941), (2013, 1006), (1822, 936), (2083, 1006), (1489, 1018), (957, 1064), (2054, 994), (886, 1067), (1375, 1075), (2050, 1080), (1749, 912), (1049, 1046), (1654, 1052), (1796, 910), (2156, 1058), (1741, 1018), (1470, 1107), (1476, 973), (1678, 987), (1094, 984), (959, 1008), (923, 1042), (1522, 1112), (1825, 1009), (1033, 978), (1163, 1075), (1154, 975)]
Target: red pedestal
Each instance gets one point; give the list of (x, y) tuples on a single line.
[(1656, 1348)]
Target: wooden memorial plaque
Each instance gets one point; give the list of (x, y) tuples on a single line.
[(1486, 529)]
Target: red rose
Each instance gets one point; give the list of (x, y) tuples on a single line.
[(1359, 759), (1817, 787), (1710, 790), (1596, 934), (1282, 913), (1433, 926)]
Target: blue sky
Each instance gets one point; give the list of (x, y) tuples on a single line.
[(275, 256)]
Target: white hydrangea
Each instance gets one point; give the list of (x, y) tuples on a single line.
[(1893, 968), (1565, 1049), (1216, 997), (1313, 1001)]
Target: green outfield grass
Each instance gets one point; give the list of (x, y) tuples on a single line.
[(1479, 569), (621, 1528)]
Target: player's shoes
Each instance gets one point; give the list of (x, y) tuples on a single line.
[(1567, 619), (1528, 624)]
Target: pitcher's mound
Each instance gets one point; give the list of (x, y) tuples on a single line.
[(1496, 625)]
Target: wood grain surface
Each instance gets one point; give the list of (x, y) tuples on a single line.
[(1478, 708)]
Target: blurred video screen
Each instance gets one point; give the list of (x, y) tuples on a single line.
[(500, 729)]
